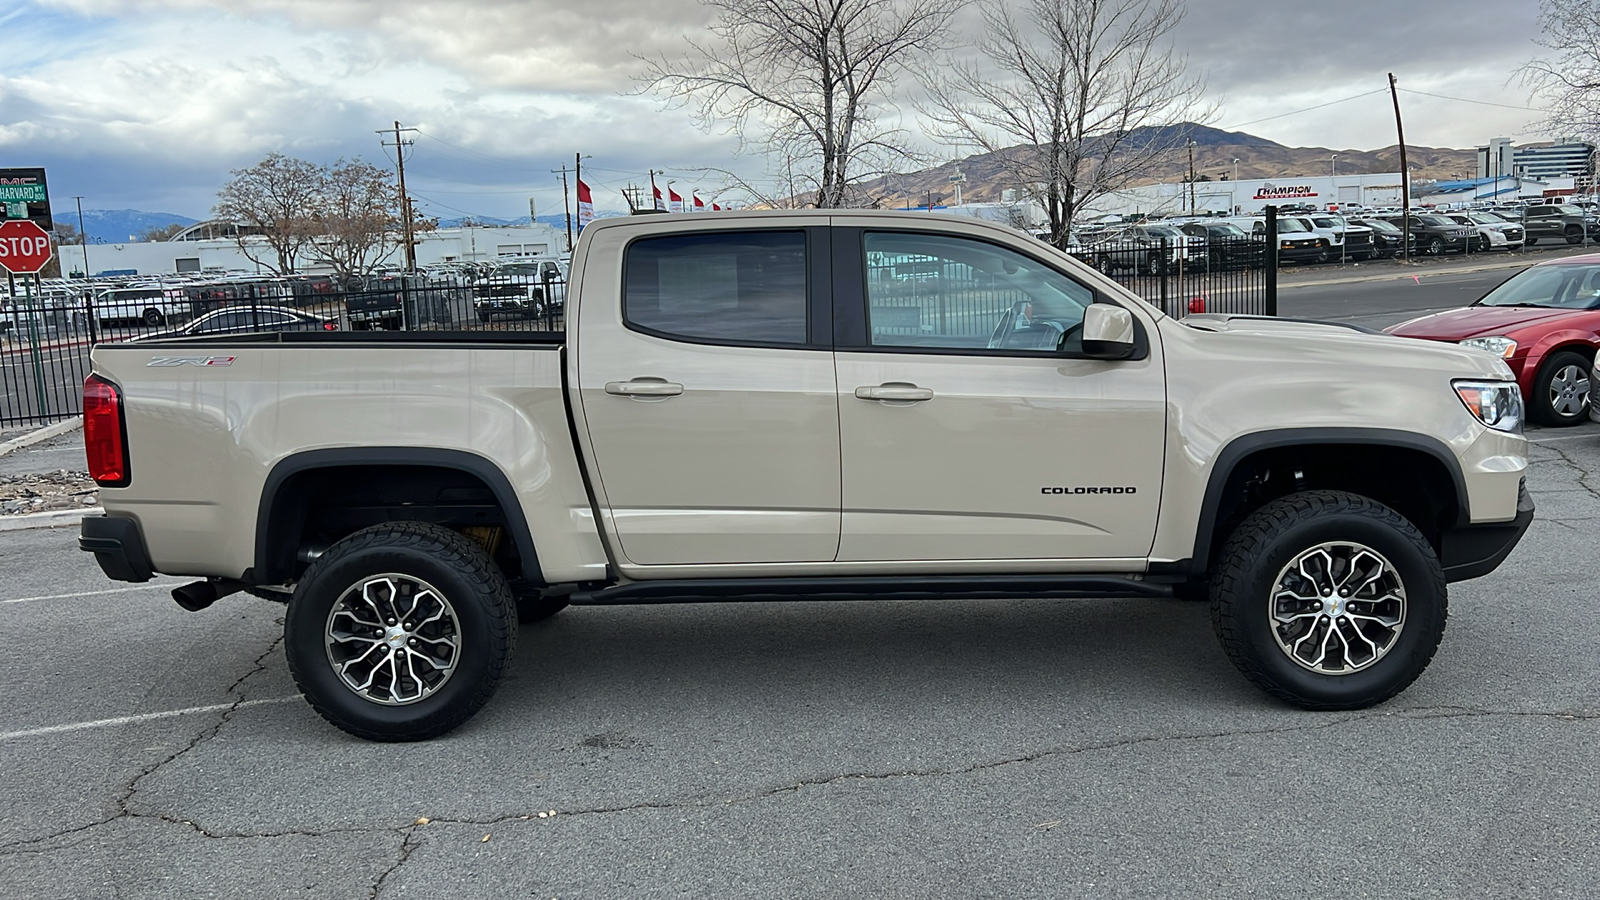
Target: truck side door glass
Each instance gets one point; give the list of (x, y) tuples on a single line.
[(745, 287), (946, 292)]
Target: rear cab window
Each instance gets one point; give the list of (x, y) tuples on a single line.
[(745, 288)]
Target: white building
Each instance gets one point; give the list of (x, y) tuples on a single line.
[(192, 251), (1250, 196)]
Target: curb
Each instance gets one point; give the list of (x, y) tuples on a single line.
[(42, 434), (56, 518)]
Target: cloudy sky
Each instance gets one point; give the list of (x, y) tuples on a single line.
[(147, 104)]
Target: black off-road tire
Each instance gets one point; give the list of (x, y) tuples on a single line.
[(454, 565), (1573, 234), (1273, 536), (537, 607), (153, 317), (1541, 406)]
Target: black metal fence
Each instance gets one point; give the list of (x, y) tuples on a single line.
[(47, 332), (1193, 274)]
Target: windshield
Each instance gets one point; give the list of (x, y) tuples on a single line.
[(1289, 224), (1381, 225), (523, 270), (1163, 231), (1226, 229), (1555, 287), (1435, 220)]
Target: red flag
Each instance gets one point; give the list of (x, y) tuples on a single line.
[(716, 208), (674, 202), (585, 205), (659, 205), (699, 205)]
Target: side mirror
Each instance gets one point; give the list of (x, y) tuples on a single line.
[(1107, 332)]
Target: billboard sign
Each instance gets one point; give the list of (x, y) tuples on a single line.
[(24, 195)]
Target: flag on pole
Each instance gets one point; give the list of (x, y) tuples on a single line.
[(660, 204), (699, 205), (716, 208), (674, 202), (585, 205)]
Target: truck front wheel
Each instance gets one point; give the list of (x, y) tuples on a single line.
[(400, 632), (1329, 600)]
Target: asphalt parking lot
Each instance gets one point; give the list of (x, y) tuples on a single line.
[(936, 749)]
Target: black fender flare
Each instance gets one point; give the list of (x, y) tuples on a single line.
[(1228, 459), (460, 460)]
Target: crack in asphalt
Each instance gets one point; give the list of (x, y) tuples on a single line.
[(123, 804), (406, 849), (1583, 474)]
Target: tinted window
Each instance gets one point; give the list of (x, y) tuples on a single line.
[(745, 287), (962, 294)]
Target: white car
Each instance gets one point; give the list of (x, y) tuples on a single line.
[(1297, 241), (151, 304), (1490, 232), (1345, 239)]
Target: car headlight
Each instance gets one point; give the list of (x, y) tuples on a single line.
[(1502, 347), (1497, 404)]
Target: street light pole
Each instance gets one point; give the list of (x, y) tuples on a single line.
[(83, 239)]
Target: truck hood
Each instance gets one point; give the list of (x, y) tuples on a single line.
[(1475, 321), (1300, 341)]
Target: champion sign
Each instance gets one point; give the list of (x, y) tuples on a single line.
[(1270, 191)]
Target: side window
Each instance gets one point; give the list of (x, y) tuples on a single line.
[(955, 293), (744, 287)]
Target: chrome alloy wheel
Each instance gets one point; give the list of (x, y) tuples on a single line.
[(1337, 608), (393, 639), (1569, 391)]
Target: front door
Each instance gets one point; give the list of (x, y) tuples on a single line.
[(971, 425), (709, 401)]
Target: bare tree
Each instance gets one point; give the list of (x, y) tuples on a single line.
[(1569, 79), (355, 218), (66, 235), (1076, 98), (807, 80), (271, 201)]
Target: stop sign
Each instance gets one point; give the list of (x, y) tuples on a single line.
[(24, 247)]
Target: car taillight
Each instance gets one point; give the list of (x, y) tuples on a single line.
[(104, 438), (330, 326)]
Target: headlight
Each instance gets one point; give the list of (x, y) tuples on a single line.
[(1502, 347), (1497, 404)]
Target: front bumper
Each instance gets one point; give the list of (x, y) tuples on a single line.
[(1471, 551), (118, 546)]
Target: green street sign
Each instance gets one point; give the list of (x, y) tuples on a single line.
[(22, 193)]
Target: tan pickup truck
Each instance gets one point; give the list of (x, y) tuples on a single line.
[(830, 405)]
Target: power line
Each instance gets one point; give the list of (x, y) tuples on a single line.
[(1307, 109), (1479, 102)]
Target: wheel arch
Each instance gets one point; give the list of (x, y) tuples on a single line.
[(1418, 465), (281, 514)]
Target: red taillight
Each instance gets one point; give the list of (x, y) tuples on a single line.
[(330, 326), (103, 432)]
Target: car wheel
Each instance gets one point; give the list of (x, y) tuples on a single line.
[(1529, 241), (1574, 234), (1483, 243), (80, 322), (538, 607), (1436, 247), (1324, 255), (1152, 265), (154, 317), (400, 632), (1329, 600), (485, 314), (1561, 390)]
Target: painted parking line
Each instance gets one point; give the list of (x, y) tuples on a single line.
[(138, 719), (137, 587)]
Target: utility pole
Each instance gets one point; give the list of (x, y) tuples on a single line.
[(566, 202), (405, 199), (1191, 176), (84, 238), (1405, 173)]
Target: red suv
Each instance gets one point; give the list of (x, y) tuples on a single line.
[(1544, 322)]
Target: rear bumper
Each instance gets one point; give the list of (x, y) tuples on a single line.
[(1472, 551), (118, 546)]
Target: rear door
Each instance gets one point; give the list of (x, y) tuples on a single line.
[(708, 394)]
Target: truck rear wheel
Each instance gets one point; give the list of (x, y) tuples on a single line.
[(1329, 600), (400, 632)]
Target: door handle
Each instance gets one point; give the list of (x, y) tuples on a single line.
[(642, 388), (894, 390)]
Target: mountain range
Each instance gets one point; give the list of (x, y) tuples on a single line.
[(1218, 156)]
